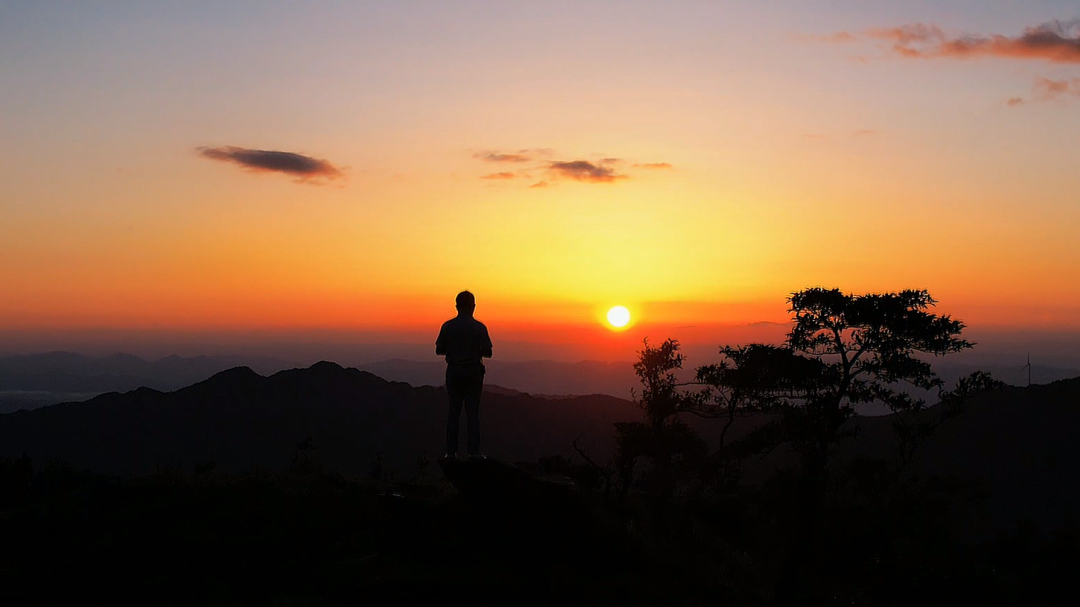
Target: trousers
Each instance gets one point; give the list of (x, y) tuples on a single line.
[(464, 383)]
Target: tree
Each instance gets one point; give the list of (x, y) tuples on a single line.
[(843, 350), (661, 438), (752, 379), (867, 346)]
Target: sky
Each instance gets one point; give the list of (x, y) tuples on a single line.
[(345, 168)]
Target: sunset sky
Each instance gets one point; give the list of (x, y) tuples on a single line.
[(694, 161)]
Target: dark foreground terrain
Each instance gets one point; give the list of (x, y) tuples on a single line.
[(488, 533), (305, 537), (312, 487)]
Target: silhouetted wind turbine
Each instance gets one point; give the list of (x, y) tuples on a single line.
[(1028, 367)]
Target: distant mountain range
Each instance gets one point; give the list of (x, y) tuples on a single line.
[(540, 377), (240, 420), (31, 381)]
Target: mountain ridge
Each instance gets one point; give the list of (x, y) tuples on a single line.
[(238, 418)]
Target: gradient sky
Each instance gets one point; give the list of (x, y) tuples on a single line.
[(695, 161)]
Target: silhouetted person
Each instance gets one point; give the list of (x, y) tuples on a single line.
[(465, 343)]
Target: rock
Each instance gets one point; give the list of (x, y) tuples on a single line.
[(500, 487)]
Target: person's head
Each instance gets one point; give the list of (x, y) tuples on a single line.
[(465, 303)]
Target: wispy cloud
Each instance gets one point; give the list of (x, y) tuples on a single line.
[(1053, 89), (503, 157), (1056, 41), (834, 38), (583, 170), (530, 163), (526, 155), (304, 167), (1045, 89)]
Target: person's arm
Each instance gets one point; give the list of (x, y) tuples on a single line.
[(440, 342), (485, 346)]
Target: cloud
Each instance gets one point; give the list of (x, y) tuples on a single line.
[(273, 161), (1056, 41), (526, 155), (538, 162), (1045, 89), (583, 170), (500, 157)]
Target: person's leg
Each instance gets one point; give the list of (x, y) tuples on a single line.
[(455, 391), (472, 410)]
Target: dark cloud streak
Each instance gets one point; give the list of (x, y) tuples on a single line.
[(583, 170), (273, 161)]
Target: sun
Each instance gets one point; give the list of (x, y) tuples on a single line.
[(618, 316)]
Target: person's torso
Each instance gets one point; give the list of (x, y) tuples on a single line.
[(464, 340)]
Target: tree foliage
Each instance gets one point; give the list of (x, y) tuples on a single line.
[(843, 350), (668, 444)]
